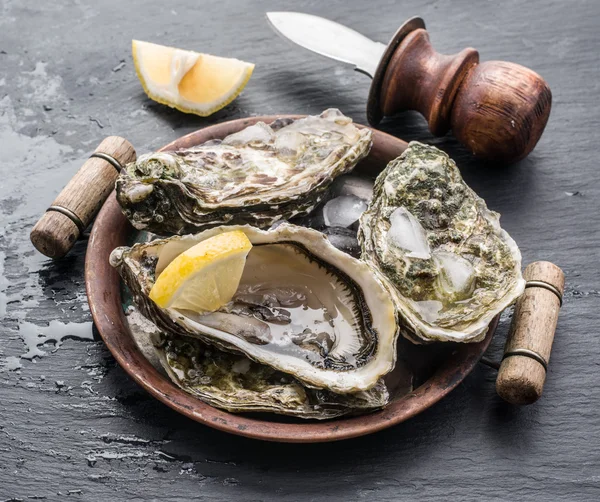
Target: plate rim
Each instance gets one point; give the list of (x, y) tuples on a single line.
[(104, 297)]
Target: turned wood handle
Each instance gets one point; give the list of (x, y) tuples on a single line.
[(75, 207), (523, 369), (498, 110)]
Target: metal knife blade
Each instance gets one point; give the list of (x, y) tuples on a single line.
[(329, 38)]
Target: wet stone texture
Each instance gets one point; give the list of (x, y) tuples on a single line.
[(74, 426)]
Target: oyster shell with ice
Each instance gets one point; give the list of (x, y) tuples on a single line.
[(303, 307), (441, 251), (237, 384), (257, 176)]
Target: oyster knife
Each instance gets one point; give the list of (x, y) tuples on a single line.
[(329, 39), (497, 109)]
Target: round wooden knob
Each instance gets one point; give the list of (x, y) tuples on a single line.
[(523, 369), (77, 204), (501, 110), (498, 110)]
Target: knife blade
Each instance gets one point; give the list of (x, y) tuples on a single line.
[(329, 39)]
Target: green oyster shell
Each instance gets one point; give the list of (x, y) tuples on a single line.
[(452, 268), (235, 383), (257, 176)]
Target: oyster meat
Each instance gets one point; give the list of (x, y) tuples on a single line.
[(257, 176), (302, 307), (235, 383), (447, 263)]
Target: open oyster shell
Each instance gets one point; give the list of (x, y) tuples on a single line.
[(258, 176), (302, 307), (447, 263), (235, 383)]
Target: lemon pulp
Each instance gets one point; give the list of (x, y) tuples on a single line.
[(189, 81), (206, 276)]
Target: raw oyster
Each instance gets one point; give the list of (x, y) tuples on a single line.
[(235, 383), (441, 251), (302, 307), (258, 176)]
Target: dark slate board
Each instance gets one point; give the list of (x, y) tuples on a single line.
[(72, 424)]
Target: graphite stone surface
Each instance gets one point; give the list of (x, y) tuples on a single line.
[(72, 423)]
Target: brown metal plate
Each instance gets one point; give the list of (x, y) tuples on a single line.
[(103, 289)]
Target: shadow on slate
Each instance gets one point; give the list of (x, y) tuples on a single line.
[(178, 120), (308, 92)]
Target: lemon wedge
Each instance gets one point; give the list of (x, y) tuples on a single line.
[(206, 276), (187, 80)]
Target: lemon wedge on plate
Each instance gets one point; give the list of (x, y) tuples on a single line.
[(206, 276), (187, 80)]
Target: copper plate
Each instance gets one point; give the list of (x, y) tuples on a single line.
[(103, 289)]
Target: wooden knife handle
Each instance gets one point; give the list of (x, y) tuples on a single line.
[(523, 369), (498, 110), (73, 210)]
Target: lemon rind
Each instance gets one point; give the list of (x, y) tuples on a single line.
[(249, 70)]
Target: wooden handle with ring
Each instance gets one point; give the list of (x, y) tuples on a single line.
[(524, 365), (75, 207), (496, 109)]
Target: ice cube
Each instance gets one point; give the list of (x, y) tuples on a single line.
[(344, 239), (429, 310), (257, 133), (406, 233), (288, 144), (353, 185), (343, 211), (456, 274)]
